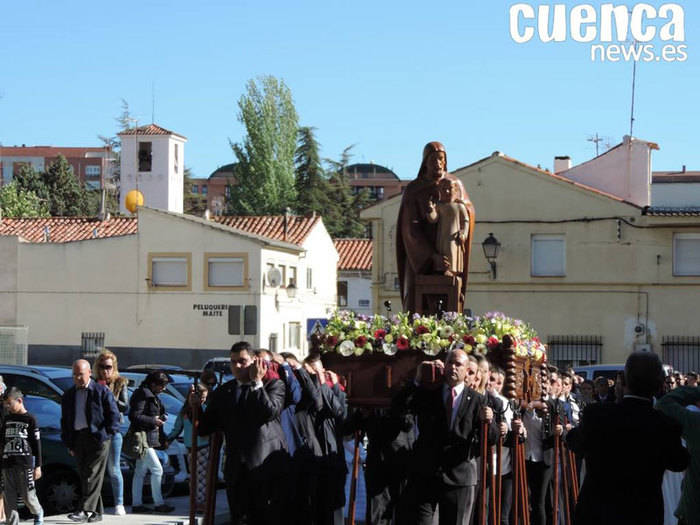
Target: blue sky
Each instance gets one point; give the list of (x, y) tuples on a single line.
[(387, 76)]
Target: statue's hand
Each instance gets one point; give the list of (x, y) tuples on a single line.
[(440, 262)]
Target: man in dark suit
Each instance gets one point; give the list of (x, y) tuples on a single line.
[(627, 448), (444, 468), (248, 412), (89, 419)]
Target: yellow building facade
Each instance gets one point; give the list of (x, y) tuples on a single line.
[(596, 275)]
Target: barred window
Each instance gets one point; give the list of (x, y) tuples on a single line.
[(574, 350), (682, 352)]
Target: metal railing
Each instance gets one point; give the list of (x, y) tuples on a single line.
[(14, 345), (682, 352), (574, 350)]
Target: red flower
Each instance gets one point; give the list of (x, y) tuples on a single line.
[(379, 334), (422, 330), (361, 341), (493, 342), (469, 340), (331, 341), (402, 343)]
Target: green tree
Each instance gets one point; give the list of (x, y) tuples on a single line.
[(30, 180), (18, 202), (313, 190), (67, 197), (265, 175), (343, 218)]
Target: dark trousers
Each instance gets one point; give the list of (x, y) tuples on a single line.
[(255, 501), (91, 457), (506, 497), (538, 477), (422, 497)]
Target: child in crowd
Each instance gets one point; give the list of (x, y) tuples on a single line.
[(21, 457)]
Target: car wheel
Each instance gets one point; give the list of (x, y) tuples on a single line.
[(60, 492)]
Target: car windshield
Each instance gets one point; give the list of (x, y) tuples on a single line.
[(46, 411)]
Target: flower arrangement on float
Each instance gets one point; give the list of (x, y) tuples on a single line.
[(349, 334)]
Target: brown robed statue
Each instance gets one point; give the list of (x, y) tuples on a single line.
[(434, 234)]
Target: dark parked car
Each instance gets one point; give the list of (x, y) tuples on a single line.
[(59, 486)]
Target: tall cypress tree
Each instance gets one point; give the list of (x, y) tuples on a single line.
[(343, 219), (66, 195), (313, 190)]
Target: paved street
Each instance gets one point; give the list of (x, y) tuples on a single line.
[(179, 516)]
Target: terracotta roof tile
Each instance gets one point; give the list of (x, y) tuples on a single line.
[(67, 229), (150, 129), (355, 254), (272, 226)]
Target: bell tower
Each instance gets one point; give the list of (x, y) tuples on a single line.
[(153, 162)]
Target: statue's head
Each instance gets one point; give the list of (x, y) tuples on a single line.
[(434, 164)]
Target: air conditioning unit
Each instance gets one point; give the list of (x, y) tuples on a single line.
[(642, 347)]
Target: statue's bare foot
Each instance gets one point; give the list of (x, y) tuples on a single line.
[(449, 273)]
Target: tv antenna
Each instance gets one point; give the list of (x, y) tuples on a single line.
[(596, 140)]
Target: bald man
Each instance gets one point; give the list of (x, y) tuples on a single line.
[(444, 466), (89, 419)]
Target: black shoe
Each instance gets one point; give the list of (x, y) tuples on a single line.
[(95, 516), (79, 516), (164, 508), (141, 509)]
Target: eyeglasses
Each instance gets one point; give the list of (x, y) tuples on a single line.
[(106, 367)]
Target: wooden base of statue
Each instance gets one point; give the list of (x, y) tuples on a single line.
[(438, 293), (523, 379), (371, 380)]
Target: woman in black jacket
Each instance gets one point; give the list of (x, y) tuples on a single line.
[(147, 414)]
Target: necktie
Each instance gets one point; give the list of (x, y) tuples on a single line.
[(243, 393), (450, 404)]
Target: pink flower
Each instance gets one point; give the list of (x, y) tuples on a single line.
[(361, 341), (420, 329), (331, 341), (469, 340), (402, 343), (493, 342)]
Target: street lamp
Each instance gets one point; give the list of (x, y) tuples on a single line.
[(491, 248)]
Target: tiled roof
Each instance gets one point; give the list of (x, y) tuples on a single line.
[(272, 226), (47, 151), (151, 129), (668, 211), (67, 229), (675, 176), (355, 254)]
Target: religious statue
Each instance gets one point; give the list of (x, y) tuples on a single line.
[(434, 233), (452, 218)]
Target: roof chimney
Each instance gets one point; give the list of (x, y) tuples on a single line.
[(562, 164)]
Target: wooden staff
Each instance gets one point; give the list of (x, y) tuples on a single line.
[(492, 484), (499, 481), (355, 475), (565, 483), (484, 463), (215, 442), (516, 485), (555, 503), (574, 475), (523, 485)]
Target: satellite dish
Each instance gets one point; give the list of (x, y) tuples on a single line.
[(274, 277)]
